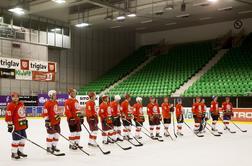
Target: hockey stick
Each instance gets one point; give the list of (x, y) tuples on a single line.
[(217, 135), (58, 154), (104, 152), (123, 148), (73, 144), (139, 143), (167, 131), (212, 127), (146, 133), (192, 130), (244, 131), (153, 138), (173, 122), (232, 132)]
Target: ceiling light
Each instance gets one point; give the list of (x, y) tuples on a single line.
[(225, 8), (183, 15), (205, 18), (83, 24), (55, 30), (201, 4), (212, 0), (59, 1), (17, 10), (118, 26), (119, 18), (131, 15), (146, 21), (171, 23), (245, 12)]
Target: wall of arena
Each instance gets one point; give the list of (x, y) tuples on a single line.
[(191, 34), (92, 53)]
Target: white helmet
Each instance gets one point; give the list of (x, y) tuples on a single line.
[(139, 99), (51, 92), (117, 97)]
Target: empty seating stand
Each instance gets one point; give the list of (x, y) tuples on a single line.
[(117, 72), (231, 76), (168, 72)]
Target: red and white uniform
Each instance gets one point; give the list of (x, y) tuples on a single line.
[(51, 113), (179, 117), (16, 115), (126, 110), (153, 112), (115, 108), (227, 109), (73, 113), (166, 110), (116, 114), (138, 118), (127, 114), (105, 114), (214, 109), (92, 120)]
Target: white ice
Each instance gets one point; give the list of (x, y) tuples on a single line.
[(189, 150)]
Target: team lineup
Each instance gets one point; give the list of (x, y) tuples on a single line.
[(116, 119)]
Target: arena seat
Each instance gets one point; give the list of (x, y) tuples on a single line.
[(117, 72), (231, 76), (168, 72)]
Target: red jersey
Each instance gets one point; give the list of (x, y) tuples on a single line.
[(179, 110), (51, 112), (104, 111), (227, 108), (198, 109), (214, 109), (138, 112), (72, 109), (126, 109), (15, 115), (115, 108), (90, 109), (153, 109), (166, 110)]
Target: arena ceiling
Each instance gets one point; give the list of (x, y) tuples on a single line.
[(151, 15)]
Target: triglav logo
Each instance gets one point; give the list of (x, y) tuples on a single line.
[(42, 100)]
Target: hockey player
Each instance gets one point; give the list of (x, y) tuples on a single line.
[(51, 115), (138, 116), (74, 118), (17, 124), (197, 114), (227, 109), (154, 115), (106, 120), (215, 114), (166, 112), (116, 115), (179, 116), (203, 116), (92, 119), (126, 117)]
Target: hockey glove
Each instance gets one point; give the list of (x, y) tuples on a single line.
[(72, 121), (10, 128), (47, 124)]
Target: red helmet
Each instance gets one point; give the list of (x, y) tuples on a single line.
[(91, 94), (127, 96), (14, 94)]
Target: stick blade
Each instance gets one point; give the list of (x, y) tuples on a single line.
[(128, 148)]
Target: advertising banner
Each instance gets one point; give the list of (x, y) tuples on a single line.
[(25, 64), (43, 76), (7, 73), (4, 100), (84, 98), (42, 98), (23, 75)]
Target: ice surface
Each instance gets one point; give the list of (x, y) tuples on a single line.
[(189, 150)]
